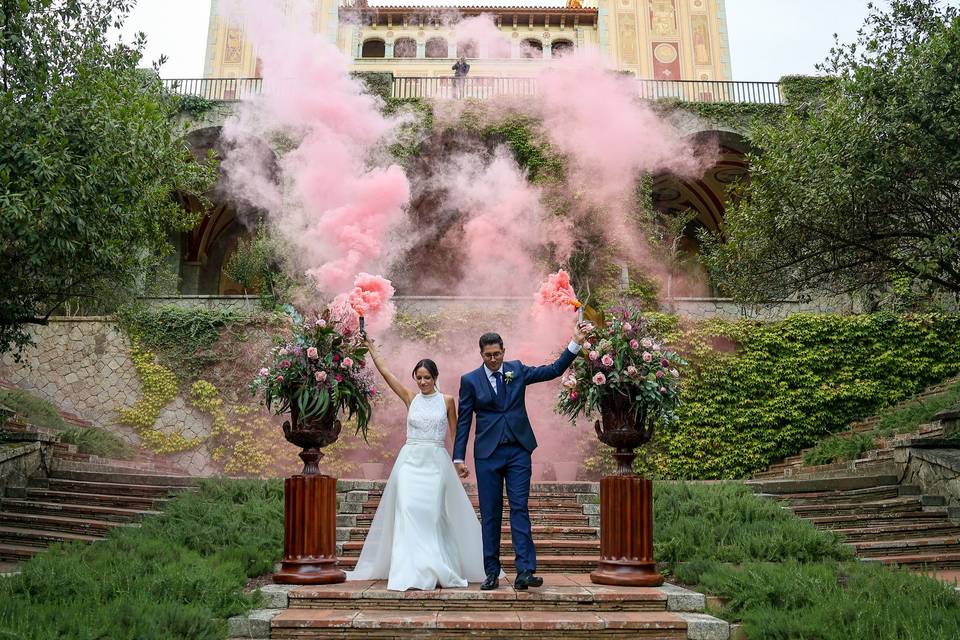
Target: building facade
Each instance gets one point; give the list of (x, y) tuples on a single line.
[(653, 39)]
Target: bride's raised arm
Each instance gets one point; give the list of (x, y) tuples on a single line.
[(405, 394)]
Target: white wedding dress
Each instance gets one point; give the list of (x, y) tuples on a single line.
[(425, 533)]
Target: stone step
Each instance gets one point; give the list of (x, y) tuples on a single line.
[(105, 488), (863, 521), (804, 485), (317, 624), (899, 531), (895, 505), (84, 526), (536, 518), (544, 548), (908, 547), (375, 487), (100, 466), (146, 503), (39, 537), (534, 505), (17, 552), (545, 563), (832, 497), (539, 531), (124, 478), (922, 561), (111, 514)]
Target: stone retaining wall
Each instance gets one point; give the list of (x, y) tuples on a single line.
[(936, 470)]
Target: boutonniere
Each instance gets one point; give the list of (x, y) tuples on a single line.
[(508, 377)]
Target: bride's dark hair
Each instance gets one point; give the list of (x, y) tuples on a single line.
[(427, 364)]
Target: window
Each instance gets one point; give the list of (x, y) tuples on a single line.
[(373, 49), (405, 48), (500, 48), (467, 49), (560, 48), (531, 49), (436, 48)]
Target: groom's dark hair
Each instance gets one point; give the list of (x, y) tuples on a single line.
[(490, 338)]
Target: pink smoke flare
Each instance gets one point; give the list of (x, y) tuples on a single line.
[(557, 291)]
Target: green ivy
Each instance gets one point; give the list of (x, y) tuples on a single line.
[(378, 83), (801, 90), (758, 392), (732, 114), (194, 106), (531, 151)]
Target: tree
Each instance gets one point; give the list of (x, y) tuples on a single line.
[(89, 162), (858, 192)]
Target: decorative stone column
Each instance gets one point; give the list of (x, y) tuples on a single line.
[(626, 533), (309, 531)]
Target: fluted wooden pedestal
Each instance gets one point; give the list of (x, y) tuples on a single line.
[(626, 533), (309, 531)]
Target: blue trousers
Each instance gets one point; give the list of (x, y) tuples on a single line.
[(509, 464)]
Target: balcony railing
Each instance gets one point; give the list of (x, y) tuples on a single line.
[(229, 89)]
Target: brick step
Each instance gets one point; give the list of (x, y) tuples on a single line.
[(105, 488), (539, 531), (859, 467), (375, 487), (536, 518), (863, 521), (144, 503), (539, 505), (125, 478), (558, 592), (40, 538), (17, 552), (841, 483), (868, 494), (908, 547), (317, 624), (100, 465), (543, 547), (110, 514), (545, 564), (922, 560), (84, 526), (898, 531), (905, 504)]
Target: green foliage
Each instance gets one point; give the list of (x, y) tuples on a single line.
[(529, 147), (32, 409), (177, 577), (856, 192), (733, 114), (194, 106), (758, 392), (257, 265), (802, 90), (727, 523), (98, 442), (183, 339), (378, 83), (834, 601), (840, 448), (86, 180), (921, 411)]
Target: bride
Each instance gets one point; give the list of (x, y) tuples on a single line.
[(425, 533)]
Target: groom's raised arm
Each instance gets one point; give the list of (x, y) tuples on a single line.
[(533, 375), (465, 417)]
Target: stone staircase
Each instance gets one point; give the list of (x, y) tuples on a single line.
[(565, 519), (81, 500)]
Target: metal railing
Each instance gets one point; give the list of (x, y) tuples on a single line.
[(229, 89), (224, 89)]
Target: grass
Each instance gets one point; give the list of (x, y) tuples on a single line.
[(178, 577), (839, 448), (725, 522), (32, 409), (98, 442), (831, 601)]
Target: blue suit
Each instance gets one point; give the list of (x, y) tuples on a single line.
[(502, 446)]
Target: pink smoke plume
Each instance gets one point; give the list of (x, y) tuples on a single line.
[(484, 36), (371, 297), (556, 291), (327, 202)]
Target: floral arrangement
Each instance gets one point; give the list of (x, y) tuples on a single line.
[(621, 360), (320, 371)]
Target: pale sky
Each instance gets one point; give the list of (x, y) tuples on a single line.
[(768, 38)]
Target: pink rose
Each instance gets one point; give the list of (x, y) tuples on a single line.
[(647, 343), (659, 373), (282, 352), (347, 363), (594, 355), (632, 371), (279, 378), (285, 364), (264, 371), (587, 346), (647, 356), (599, 379), (321, 323), (663, 390), (634, 344), (312, 353), (570, 382), (336, 357), (373, 392), (607, 360), (339, 377), (320, 376), (573, 395), (627, 326), (664, 363)]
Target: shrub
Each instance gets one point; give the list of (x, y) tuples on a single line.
[(98, 442), (840, 448), (32, 409)]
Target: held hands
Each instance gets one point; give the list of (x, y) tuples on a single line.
[(462, 470)]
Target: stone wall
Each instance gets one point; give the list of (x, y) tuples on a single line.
[(936, 470), (83, 366)]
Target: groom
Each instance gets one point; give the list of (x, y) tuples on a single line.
[(501, 449)]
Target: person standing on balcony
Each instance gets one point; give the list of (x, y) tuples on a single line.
[(460, 71)]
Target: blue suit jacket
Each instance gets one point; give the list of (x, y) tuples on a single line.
[(493, 416)]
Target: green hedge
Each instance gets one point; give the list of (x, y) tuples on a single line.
[(758, 392), (379, 83)]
